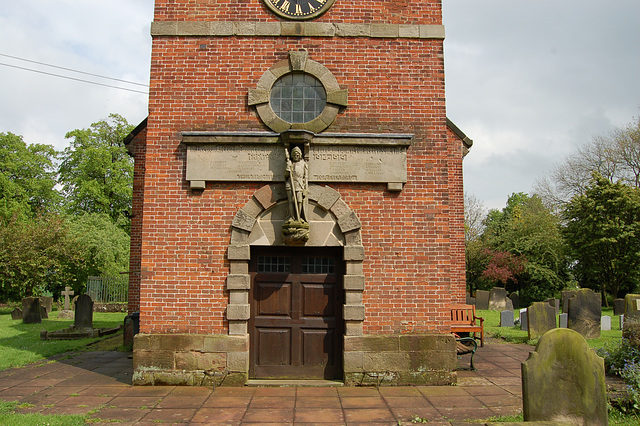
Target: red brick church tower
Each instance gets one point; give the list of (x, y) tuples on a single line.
[(298, 201)]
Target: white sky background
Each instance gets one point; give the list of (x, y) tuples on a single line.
[(528, 81)]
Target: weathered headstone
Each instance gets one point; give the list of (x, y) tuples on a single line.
[(563, 319), (506, 319), (618, 306), (541, 317), (47, 303), (471, 300), (515, 300), (84, 312), (16, 314), (498, 299), (555, 303), (585, 310), (482, 300), (524, 323), (564, 381), (621, 321), (566, 295), (43, 312), (605, 323), (66, 293), (630, 303), (31, 310)]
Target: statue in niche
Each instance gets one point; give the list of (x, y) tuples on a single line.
[(295, 229)]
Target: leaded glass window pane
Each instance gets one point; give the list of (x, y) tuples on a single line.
[(274, 264), (318, 265), (298, 98)]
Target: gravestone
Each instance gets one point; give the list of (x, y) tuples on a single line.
[(47, 303), (630, 303), (471, 300), (43, 312), (564, 381), (605, 324), (621, 321), (564, 320), (31, 310), (541, 317), (482, 300), (506, 319), (618, 306), (515, 300), (566, 295), (84, 312), (524, 324), (16, 314), (555, 303), (585, 312), (66, 293), (498, 299)]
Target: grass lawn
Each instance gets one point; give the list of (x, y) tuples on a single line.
[(20, 343), (515, 335)]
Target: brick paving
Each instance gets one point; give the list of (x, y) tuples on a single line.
[(99, 384)]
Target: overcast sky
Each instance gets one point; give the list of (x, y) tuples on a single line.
[(528, 81)]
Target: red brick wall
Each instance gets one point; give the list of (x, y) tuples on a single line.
[(138, 145), (412, 264)]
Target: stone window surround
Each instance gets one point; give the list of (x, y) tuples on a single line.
[(239, 254), (298, 61)]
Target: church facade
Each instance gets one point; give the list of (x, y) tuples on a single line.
[(298, 200)]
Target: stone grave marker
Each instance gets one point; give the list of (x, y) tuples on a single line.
[(630, 303), (506, 319), (482, 300), (66, 312), (43, 312), (618, 306), (605, 323), (541, 317), (566, 295), (515, 300), (524, 324), (47, 303), (498, 299), (84, 312), (31, 310), (585, 312), (555, 303), (564, 320), (16, 314), (621, 321), (564, 367), (471, 300)]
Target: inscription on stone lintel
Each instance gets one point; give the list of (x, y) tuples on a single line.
[(265, 162)]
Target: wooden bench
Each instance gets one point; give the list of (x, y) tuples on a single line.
[(464, 320), (466, 345)]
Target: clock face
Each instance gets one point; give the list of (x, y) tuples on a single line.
[(299, 9)]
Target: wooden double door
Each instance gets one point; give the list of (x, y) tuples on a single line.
[(296, 325)]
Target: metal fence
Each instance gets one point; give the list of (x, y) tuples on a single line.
[(108, 289)]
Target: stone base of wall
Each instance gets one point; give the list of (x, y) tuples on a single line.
[(190, 360), (411, 359)]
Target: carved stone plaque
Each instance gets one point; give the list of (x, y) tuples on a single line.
[(259, 158)]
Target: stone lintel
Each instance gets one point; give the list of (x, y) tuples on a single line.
[(286, 29)]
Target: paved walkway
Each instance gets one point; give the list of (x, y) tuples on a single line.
[(99, 383)]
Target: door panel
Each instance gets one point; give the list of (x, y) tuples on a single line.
[(296, 327)]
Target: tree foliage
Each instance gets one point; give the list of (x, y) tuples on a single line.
[(27, 178), (615, 157), (603, 232), (96, 171)]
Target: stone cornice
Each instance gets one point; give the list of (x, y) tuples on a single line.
[(297, 29)]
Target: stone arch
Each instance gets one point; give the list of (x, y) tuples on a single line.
[(257, 223)]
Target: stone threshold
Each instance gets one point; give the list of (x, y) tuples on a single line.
[(293, 383)]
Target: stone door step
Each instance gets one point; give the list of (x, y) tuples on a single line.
[(281, 383)]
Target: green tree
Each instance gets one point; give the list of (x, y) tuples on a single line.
[(96, 171), (34, 254), (603, 231), (528, 230), (103, 249), (27, 178)]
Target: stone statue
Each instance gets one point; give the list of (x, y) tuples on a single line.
[(295, 229)]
